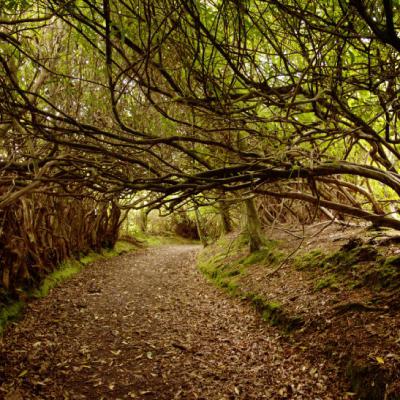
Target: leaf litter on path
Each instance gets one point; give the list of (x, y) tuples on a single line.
[(156, 329)]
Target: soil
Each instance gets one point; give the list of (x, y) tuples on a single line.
[(148, 325), (349, 332)]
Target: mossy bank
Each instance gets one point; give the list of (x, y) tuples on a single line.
[(335, 296)]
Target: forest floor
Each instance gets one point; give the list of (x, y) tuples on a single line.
[(334, 293), (148, 325)]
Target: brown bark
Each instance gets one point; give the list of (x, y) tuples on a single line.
[(199, 227), (253, 226), (39, 231), (225, 217)]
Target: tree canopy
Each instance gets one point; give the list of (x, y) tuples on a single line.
[(184, 100)]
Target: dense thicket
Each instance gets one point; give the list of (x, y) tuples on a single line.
[(203, 101), (40, 231)]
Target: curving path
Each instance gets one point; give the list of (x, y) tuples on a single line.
[(149, 326)]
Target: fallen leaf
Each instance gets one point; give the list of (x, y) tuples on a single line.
[(15, 395), (23, 373)]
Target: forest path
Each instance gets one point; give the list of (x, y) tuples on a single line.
[(148, 325)]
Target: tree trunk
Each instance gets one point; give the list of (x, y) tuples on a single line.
[(143, 220), (225, 217), (253, 226), (200, 232)]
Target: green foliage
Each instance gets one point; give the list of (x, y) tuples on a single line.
[(14, 5)]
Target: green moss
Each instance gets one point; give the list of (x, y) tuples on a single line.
[(392, 261), (10, 313), (385, 273), (224, 275), (69, 268), (273, 312), (89, 258), (329, 281), (343, 259), (240, 242), (230, 285), (226, 272), (312, 260), (267, 255), (158, 240), (338, 260), (66, 271), (355, 267)]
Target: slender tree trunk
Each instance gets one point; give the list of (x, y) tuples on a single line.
[(225, 217), (200, 232), (253, 226), (143, 220)]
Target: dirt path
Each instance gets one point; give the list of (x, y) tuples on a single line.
[(149, 326)]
